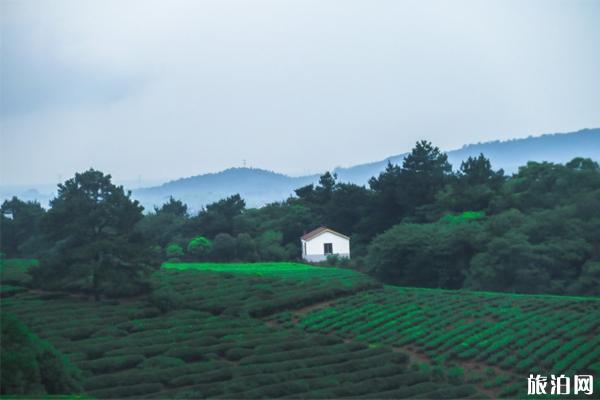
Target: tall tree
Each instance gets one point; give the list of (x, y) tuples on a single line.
[(390, 206), (217, 217), (349, 204), (424, 171), (96, 250), (223, 247), (165, 225), (474, 187), (327, 184), (19, 226), (429, 255), (478, 170), (306, 193), (174, 207)]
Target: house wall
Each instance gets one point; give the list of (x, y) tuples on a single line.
[(315, 248)]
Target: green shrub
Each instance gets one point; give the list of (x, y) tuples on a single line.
[(199, 247), (237, 353), (165, 299), (111, 364), (128, 391), (161, 362), (146, 351), (31, 366), (457, 392), (187, 353), (79, 333), (148, 312), (409, 391), (10, 290), (217, 375), (456, 375), (174, 251), (202, 391), (98, 348), (16, 271), (127, 377)]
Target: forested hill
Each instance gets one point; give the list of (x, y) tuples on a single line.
[(256, 186), (259, 187), (508, 155)]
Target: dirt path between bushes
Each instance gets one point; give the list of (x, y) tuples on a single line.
[(416, 356)]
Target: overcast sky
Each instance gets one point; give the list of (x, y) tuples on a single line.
[(165, 89)]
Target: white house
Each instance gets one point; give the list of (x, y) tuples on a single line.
[(322, 242)]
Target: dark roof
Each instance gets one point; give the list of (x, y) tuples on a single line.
[(320, 230)]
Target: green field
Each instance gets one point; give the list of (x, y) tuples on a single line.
[(276, 270), (292, 330)]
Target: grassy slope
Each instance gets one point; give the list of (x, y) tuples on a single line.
[(295, 271), (201, 326)]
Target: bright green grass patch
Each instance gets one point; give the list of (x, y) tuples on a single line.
[(277, 270), (463, 217)]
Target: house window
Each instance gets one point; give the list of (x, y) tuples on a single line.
[(328, 248)]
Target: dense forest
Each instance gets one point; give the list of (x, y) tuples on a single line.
[(416, 224)]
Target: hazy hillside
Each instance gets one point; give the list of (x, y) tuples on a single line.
[(509, 155), (256, 186), (259, 187)]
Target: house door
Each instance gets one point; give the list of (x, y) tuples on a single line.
[(328, 248)]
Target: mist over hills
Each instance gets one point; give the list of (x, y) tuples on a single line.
[(259, 187), (256, 186), (508, 155)]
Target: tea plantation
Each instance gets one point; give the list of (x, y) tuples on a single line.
[(298, 331), (253, 289), (516, 334), (14, 275), (343, 277)]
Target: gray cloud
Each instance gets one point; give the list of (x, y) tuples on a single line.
[(167, 89)]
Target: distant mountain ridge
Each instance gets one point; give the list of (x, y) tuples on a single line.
[(256, 186), (508, 155), (259, 187)]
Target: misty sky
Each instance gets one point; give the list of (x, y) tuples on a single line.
[(165, 89)]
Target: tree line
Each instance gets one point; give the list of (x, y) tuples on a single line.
[(416, 224)]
